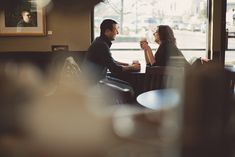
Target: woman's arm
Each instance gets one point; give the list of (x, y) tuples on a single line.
[(148, 54)]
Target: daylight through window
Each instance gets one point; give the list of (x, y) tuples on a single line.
[(139, 18)]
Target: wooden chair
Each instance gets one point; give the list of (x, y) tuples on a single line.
[(159, 77)]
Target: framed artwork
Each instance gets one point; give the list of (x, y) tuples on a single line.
[(25, 19)]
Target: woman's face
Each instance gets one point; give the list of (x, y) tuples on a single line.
[(156, 36)]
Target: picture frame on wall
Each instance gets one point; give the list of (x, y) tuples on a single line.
[(25, 19)]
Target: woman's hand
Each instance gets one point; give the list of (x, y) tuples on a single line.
[(144, 45)]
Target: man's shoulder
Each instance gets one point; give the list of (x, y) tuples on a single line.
[(99, 40), (99, 43)]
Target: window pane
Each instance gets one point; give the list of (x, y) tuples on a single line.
[(139, 18), (230, 28)]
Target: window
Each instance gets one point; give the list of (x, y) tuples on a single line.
[(230, 28), (139, 18)]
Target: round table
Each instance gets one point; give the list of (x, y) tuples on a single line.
[(158, 99)]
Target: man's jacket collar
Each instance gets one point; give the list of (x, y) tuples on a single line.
[(103, 37)]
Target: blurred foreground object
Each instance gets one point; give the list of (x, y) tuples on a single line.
[(77, 121), (19, 85), (208, 109)]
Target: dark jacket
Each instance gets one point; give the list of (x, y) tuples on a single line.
[(98, 59), (165, 52)]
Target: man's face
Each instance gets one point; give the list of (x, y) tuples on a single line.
[(112, 33), (26, 17)]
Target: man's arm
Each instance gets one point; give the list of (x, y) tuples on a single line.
[(116, 67), (129, 67), (121, 63), (133, 67)]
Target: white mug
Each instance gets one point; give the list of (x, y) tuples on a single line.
[(135, 62)]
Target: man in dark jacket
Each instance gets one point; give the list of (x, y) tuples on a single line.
[(98, 58)]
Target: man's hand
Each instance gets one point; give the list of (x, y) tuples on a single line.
[(135, 66), (132, 67)]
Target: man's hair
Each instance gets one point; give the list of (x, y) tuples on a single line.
[(106, 24)]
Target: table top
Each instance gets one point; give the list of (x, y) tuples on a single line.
[(158, 99)]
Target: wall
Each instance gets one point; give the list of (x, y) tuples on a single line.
[(68, 20)]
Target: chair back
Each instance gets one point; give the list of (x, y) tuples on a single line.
[(159, 77), (70, 69), (121, 91)]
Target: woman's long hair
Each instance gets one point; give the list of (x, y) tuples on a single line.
[(166, 34)]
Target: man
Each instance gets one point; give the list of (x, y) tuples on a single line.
[(26, 20), (98, 58)]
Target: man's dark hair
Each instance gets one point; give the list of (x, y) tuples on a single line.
[(106, 24)]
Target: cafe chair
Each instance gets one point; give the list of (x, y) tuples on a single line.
[(160, 77), (121, 91), (64, 71), (70, 69)]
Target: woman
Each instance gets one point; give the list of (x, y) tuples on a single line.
[(164, 36)]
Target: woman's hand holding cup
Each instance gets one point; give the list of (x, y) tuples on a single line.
[(143, 43)]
